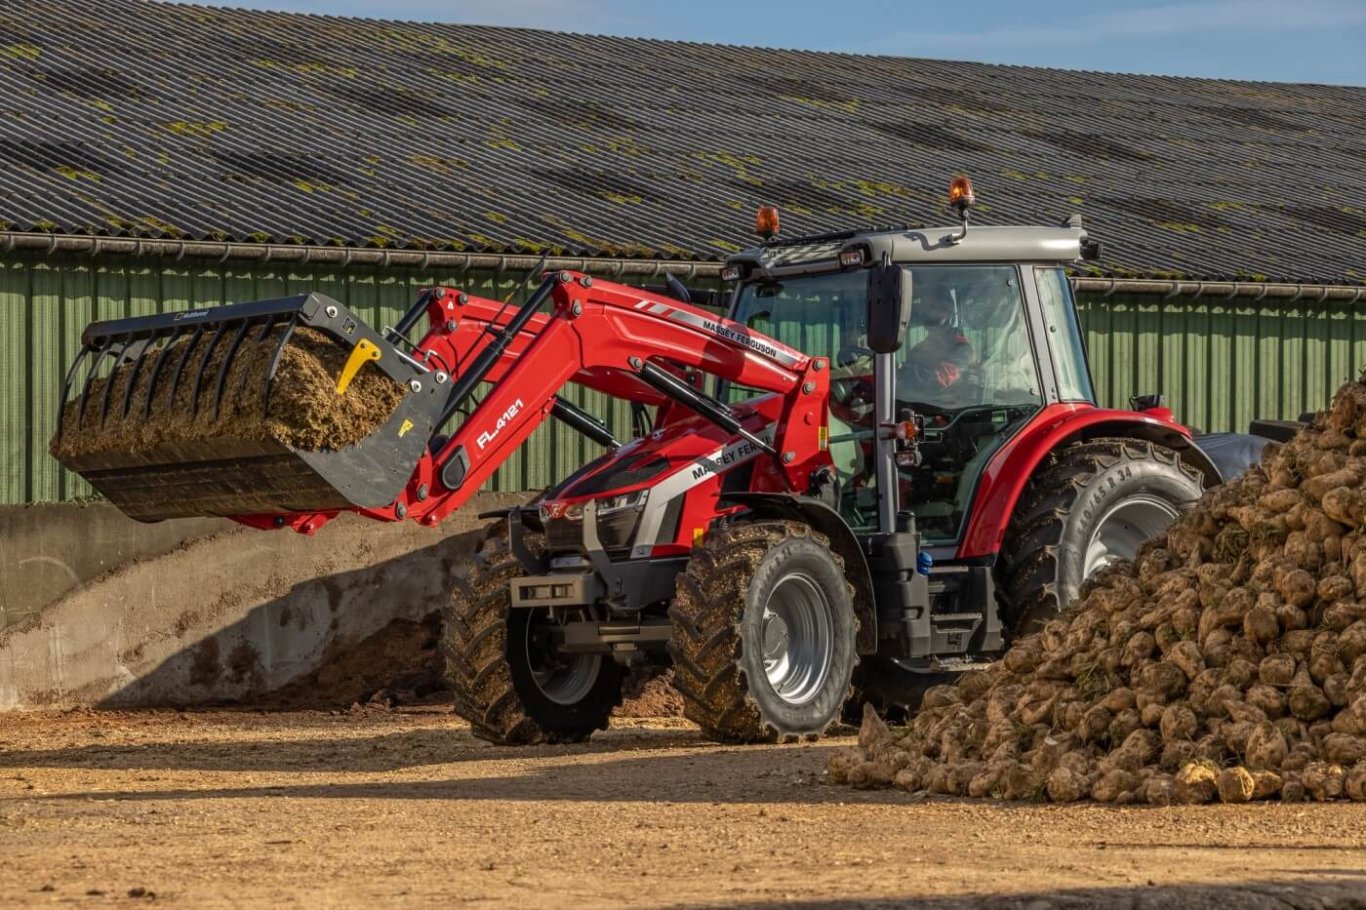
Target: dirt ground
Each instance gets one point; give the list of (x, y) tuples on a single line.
[(367, 807)]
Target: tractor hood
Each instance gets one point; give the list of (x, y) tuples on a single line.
[(638, 488)]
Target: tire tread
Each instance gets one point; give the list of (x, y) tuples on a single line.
[(474, 644), (1029, 556), (707, 647)]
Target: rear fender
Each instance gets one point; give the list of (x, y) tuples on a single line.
[(1011, 468), (842, 540)]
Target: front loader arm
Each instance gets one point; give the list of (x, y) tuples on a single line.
[(461, 324), (601, 335)]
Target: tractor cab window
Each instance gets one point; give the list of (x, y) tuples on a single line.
[(819, 315), (1064, 335), (968, 372), (823, 315)]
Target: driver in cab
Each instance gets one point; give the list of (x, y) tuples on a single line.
[(933, 370)]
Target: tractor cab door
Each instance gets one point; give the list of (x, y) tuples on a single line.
[(824, 315), (969, 375)]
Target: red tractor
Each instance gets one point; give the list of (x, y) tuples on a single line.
[(885, 461)]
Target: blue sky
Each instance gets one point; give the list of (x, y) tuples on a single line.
[(1274, 40)]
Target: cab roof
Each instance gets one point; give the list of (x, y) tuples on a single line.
[(1066, 243)]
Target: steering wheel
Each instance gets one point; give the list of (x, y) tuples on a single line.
[(851, 395)]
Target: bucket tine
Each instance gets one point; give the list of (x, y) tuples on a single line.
[(133, 377), (260, 339), (275, 360), (204, 365), (185, 355), (90, 377), (109, 386), (227, 362), (156, 371), (86, 348)]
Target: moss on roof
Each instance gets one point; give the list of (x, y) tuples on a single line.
[(204, 122)]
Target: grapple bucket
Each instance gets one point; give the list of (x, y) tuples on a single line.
[(191, 414)]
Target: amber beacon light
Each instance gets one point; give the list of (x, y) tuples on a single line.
[(766, 222), (961, 199), (960, 193)]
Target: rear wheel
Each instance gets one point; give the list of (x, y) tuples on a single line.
[(763, 633), (507, 676), (1093, 505)]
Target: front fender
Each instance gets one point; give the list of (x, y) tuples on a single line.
[(1011, 468), (842, 540)]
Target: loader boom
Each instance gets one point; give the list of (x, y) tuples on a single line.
[(598, 334)]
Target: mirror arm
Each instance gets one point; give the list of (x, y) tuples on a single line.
[(963, 218)]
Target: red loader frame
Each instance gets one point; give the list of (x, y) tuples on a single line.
[(605, 336)]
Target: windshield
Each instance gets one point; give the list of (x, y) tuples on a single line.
[(967, 369), (818, 315)]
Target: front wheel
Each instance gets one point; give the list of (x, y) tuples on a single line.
[(763, 633), (508, 676), (1093, 505)]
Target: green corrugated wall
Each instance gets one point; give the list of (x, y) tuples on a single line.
[(1221, 362)]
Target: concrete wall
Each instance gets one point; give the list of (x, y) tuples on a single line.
[(185, 617), (48, 550)]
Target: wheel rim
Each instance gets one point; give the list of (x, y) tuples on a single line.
[(798, 641), (563, 678), (1124, 528)]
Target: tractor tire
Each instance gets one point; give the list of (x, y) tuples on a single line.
[(1092, 504), (513, 692), (763, 633)]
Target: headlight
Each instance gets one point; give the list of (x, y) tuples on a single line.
[(552, 512), (621, 501), (607, 505)]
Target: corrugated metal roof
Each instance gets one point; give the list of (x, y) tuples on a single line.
[(127, 117)]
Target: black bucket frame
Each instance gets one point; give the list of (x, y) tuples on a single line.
[(235, 477)]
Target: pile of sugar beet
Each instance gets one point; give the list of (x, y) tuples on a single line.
[(1226, 662)]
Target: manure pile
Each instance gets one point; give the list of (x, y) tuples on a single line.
[(1227, 662), (303, 410)]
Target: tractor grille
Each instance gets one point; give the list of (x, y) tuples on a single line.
[(563, 535), (615, 531)]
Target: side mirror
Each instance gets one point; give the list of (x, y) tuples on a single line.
[(889, 307)]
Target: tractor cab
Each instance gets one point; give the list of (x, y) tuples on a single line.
[(991, 338)]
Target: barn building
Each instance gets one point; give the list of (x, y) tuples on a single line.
[(156, 157)]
